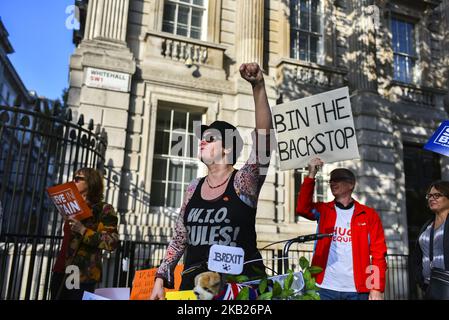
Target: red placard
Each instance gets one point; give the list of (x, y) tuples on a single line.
[(69, 201)]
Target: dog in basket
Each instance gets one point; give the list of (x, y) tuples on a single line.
[(211, 286)]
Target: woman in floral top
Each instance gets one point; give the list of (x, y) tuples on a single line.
[(221, 207), (85, 240)]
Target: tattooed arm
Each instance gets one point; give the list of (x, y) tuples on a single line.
[(250, 178), (175, 250)]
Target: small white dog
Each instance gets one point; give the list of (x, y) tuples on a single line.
[(207, 285)]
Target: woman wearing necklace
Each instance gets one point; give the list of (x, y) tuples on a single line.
[(220, 208)]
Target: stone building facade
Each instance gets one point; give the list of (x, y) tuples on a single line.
[(12, 88), (145, 70)]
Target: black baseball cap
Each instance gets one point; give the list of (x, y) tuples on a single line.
[(221, 126), (230, 136), (342, 174)]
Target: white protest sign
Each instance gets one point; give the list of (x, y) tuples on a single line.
[(224, 259), (90, 296), (318, 126)]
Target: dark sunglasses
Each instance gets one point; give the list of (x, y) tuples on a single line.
[(210, 138), (79, 178)]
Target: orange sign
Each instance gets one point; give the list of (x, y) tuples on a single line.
[(144, 281), (69, 201), (143, 284)]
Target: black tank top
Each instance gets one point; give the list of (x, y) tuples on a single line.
[(226, 221)]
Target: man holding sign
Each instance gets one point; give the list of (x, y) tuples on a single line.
[(348, 272)]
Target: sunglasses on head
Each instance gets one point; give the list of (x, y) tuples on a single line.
[(79, 178)]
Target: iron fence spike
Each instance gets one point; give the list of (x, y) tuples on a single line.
[(81, 120)]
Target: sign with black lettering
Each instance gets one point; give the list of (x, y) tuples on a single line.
[(105, 79), (318, 126), (225, 259)]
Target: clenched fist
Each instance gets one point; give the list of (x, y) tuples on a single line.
[(314, 165), (252, 73)]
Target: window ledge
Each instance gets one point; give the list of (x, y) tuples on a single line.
[(294, 71), (171, 36), (414, 93), (185, 50), (310, 65), (416, 87)]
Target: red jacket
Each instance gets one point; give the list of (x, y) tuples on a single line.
[(367, 237)]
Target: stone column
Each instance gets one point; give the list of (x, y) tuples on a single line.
[(107, 19), (249, 31), (362, 74), (103, 54), (249, 45)]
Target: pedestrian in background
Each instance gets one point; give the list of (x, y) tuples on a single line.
[(432, 246), (84, 241)]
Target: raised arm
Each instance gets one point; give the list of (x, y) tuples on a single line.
[(251, 176), (305, 206), (252, 73)]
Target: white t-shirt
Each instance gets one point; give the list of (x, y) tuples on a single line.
[(339, 273)]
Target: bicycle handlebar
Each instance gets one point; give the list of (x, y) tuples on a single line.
[(301, 239)]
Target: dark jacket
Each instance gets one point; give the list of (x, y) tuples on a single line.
[(418, 256)]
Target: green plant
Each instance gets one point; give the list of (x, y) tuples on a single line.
[(286, 292), (311, 288), (236, 279)]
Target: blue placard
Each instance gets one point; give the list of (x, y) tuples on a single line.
[(439, 142)]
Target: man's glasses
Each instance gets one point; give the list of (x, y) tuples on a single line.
[(79, 178), (436, 196)]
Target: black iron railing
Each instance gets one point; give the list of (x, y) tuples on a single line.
[(40, 146), (119, 267)]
